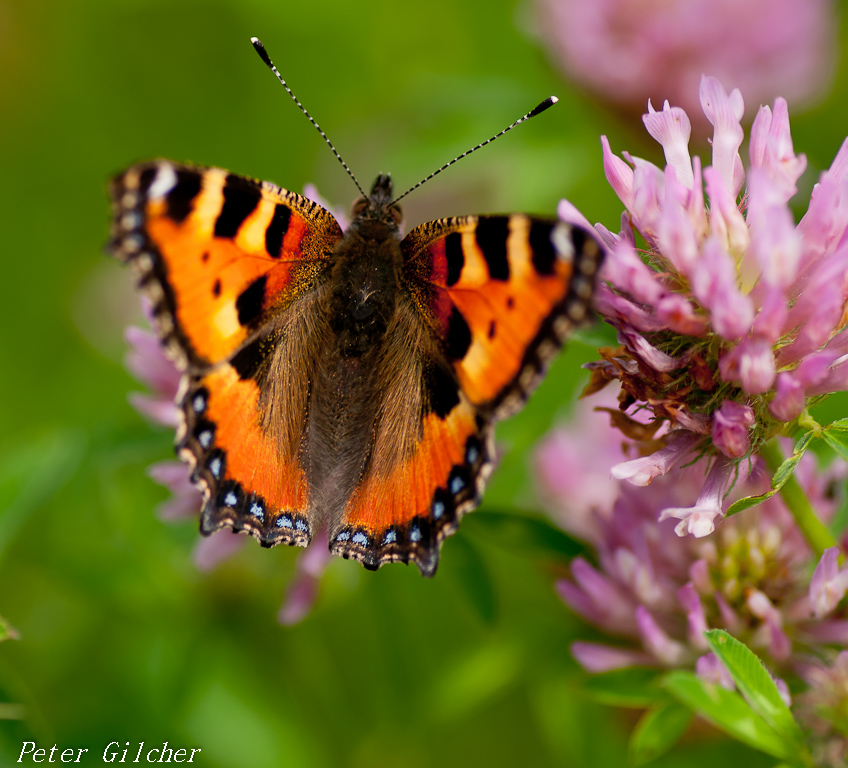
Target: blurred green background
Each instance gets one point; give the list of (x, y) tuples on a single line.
[(121, 638)]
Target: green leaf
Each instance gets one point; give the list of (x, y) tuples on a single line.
[(631, 687), (838, 440), (840, 425), (783, 473), (728, 711), (755, 684), (659, 729)]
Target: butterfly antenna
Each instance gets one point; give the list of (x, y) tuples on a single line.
[(263, 54), (549, 102)]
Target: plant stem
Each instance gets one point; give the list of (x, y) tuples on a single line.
[(815, 531)]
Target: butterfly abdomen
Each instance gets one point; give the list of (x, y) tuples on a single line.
[(347, 390)]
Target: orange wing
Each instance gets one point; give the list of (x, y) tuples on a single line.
[(230, 265), (486, 303), (502, 293)]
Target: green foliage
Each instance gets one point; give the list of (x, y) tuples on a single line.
[(657, 731), (779, 479), (629, 687), (756, 715)]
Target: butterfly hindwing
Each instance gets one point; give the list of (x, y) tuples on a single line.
[(230, 266), (429, 458)]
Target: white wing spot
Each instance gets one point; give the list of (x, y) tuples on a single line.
[(165, 181)]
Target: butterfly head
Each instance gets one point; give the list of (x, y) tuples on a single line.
[(378, 205)]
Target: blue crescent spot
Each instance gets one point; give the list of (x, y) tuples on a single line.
[(390, 537), (414, 534), (438, 508), (257, 511), (343, 536), (230, 499), (456, 484), (199, 403), (301, 526), (284, 521), (360, 538)]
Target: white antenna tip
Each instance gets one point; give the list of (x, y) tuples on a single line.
[(554, 99)]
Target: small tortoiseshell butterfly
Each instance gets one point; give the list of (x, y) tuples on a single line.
[(344, 379)]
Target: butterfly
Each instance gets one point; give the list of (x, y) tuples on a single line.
[(345, 379)]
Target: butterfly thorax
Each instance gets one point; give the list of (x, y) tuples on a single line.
[(365, 276)]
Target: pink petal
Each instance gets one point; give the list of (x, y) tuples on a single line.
[(773, 314), (771, 148), (654, 357), (695, 207), (594, 657), (725, 113), (656, 641), (775, 244), (828, 585), (641, 471), (303, 589), (732, 423), (601, 590), (147, 362), (789, 399), (698, 520), (676, 313), (818, 311), (628, 273), (212, 550), (672, 129), (699, 573), (604, 235), (752, 364), (161, 411), (568, 212), (648, 192), (713, 282), (678, 236), (726, 222), (619, 175), (729, 617), (174, 475), (758, 603), (824, 224), (691, 603), (620, 311)]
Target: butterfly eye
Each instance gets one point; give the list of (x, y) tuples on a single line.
[(395, 214), (359, 207)]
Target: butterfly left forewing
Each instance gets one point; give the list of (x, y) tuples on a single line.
[(216, 252)]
